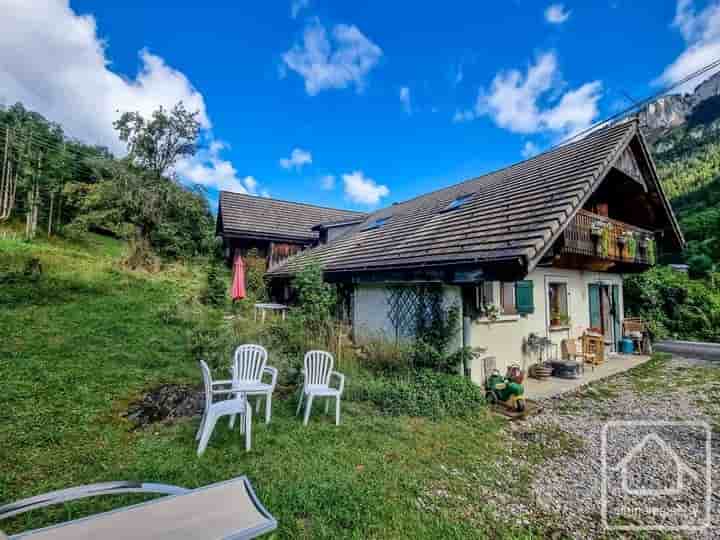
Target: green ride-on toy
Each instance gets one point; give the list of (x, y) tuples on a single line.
[(507, 391)]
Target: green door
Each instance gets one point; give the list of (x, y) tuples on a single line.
[(594, 301), (616, 316)]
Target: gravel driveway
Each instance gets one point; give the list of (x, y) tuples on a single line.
[(569, 486)]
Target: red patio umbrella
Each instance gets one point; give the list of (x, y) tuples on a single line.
[(238, 284)]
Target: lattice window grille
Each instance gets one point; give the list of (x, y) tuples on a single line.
[(410, 304)]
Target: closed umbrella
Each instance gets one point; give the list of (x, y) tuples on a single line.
[(238, 283)]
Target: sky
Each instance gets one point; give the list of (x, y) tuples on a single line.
[(349, 104)]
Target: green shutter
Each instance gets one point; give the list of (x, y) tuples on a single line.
[(524, 297), (594, 301), (616, 312)]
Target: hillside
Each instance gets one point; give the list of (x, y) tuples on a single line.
[(684, 132)]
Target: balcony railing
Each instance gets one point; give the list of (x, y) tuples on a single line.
[(604, 238)]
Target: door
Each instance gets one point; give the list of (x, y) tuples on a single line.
[(604, 303), (616, 316), (594, 301)]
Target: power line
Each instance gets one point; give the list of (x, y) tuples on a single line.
[(637, 105)]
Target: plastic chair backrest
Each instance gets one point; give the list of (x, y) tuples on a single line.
[(318, 366), (207, 383), (249, 363)]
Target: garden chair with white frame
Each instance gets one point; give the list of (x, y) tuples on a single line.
[(316, 383), (248, 368), (236, 404)]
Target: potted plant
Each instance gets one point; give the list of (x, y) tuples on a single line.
[(491, 311), (597, 228), (554, 318), (623, 238)]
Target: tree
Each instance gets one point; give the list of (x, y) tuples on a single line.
[(157, 144)]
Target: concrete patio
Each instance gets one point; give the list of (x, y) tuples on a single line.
[(554, 386)]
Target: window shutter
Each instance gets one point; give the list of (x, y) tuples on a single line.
[(524, 297)]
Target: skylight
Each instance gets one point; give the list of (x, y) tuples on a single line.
[(462, 199), (377, 223)]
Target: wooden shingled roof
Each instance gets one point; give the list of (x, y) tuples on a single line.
[(249, 216), (514, 213)]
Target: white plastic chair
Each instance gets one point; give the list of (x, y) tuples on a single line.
[(236, 404), (317, 373), (247, 370)]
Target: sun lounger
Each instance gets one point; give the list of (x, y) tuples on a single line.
[(226, 510)]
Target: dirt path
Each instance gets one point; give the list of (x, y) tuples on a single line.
[(570, 485)]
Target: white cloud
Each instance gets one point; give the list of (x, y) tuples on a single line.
[(459, 75), (556, 14), (297, 6), (53, 61), (534, 102), (208, 169), (338, 64), (298, 158), (530, 149), (327, 182), (701, 32), (464, 116), (405, 99), (363, 190)]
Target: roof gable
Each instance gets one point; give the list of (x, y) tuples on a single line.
[(514, 213)]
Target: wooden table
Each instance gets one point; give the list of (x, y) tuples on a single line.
[(264, 308)]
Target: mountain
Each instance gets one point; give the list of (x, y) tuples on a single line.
[(684, 135), (661, 116)]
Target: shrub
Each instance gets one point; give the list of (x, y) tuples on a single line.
[(255, 276), (216, 290), (384, 356), (316, 299), (674, 305), (422, 393)]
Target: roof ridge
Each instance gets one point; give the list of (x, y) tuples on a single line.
[(507, 167), (234, 193)]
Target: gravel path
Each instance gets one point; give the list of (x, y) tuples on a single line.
[(570, 485)]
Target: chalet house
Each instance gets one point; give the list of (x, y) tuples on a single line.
[(276, 229), (538, 247)]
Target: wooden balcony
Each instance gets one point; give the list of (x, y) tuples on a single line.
[(599, 237)]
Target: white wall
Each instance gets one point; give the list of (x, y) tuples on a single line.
[(504, 338), (370, 311)]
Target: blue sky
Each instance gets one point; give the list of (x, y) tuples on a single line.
[(389, 99)]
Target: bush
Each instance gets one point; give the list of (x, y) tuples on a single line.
[(422, 393), (384, 356), (675, 306), (216, 290)]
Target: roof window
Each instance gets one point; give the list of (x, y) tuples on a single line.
[(377, 223), (458, 202)]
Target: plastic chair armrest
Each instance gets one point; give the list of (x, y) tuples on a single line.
[(273, 372), (342, 380)]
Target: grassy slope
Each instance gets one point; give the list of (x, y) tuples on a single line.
[(86, 339)]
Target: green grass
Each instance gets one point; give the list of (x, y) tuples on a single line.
[(86, 339)]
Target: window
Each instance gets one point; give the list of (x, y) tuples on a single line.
[(377, 223), (476, 297), (459, 201), (507, 298), (558, 304)]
